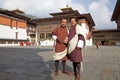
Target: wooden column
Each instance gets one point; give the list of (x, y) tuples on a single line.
[(44, 36)]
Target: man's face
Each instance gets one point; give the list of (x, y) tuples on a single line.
[(64, 23), (73, 22)]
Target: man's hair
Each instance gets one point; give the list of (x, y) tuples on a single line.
[(74, 18), (63, 19)]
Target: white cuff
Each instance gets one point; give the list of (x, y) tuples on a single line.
[(54, 37), (80, 44)]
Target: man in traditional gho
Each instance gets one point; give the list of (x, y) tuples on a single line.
[(76, 41), (60, 36)]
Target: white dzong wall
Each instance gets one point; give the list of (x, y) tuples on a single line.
[(88, 42), (6, 32)]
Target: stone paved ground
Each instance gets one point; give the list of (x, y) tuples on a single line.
[(23, 63), (36, 63)]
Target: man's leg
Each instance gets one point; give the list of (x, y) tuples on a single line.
[(56, 67), (76, 67), (64, 67), (78, 70)]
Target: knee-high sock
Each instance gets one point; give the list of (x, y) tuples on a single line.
[(74, 67), (64, 65), (56, 65), (78, 67)]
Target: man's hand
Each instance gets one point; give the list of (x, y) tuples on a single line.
[(78, 48), (93, 29), (66, 40), (90, 34)]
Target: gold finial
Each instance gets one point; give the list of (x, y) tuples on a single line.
[(17, 8), (67, 5)]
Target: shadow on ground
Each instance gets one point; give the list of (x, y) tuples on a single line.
[(23, 64)]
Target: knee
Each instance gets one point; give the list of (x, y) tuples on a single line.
[(64, 61), (56, 61), (76, 62)]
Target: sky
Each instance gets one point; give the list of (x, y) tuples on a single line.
[(100, 10)]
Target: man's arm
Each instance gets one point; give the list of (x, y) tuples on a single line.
[(62, 41), (89, 35), (80, 43), (58, 38)]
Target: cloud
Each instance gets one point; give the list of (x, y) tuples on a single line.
[(101, 14), (78, 6), (41, 8)]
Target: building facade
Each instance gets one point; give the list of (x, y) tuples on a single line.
[(16, 26), (13, 27), (106, 37), (112, 36), (31, 31), (31, 25), (45, 26), (116, 14)]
